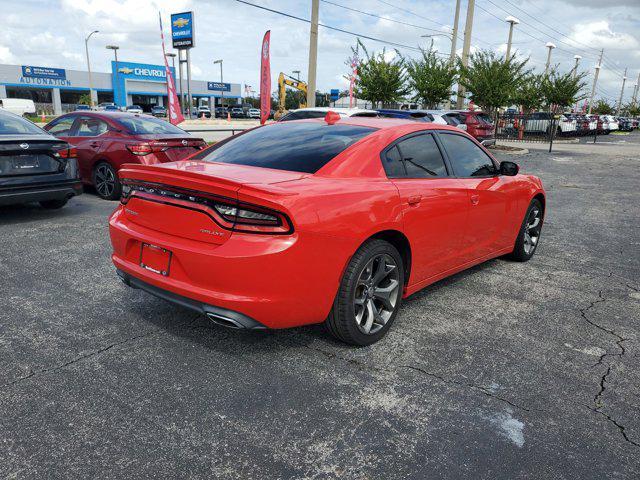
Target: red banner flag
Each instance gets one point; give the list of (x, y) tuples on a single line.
[(174, 110), (265, 79)]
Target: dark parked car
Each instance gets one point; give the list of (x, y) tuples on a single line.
[(35, 166), (159, 111), (106, 141), (625, 124), (237, 113), (417, 115), (111, 108), (82, 108)]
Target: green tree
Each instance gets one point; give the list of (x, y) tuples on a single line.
[(492, 81), (528, 93), (379, 80), (561, 90), (602, 108), (84, 99), (431, 78), (633, 110)]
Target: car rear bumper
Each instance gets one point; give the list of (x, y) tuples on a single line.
[(16, 194), (277, 281)]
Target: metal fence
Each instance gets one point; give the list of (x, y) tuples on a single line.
[(545, 127)]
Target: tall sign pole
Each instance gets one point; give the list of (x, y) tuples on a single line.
[(183, 38), (624, 80), (595, 80), (313, 54), (180, 62)]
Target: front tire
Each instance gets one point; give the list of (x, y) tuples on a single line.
[(529, 233), (369, 296), (106, 181)]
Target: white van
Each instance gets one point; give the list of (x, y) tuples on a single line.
[(19, 106)]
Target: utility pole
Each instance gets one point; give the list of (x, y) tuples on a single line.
[(550, 46), (635, 92), (575, 68), (180, 62), (466, 46), (624, 80), (511, 21), (454, 37), (595, 80), (313, 54)]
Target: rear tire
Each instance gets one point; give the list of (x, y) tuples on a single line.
[(369, 296), (54, 204), (529, 233), (106, 181)]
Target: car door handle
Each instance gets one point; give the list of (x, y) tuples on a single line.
[(414, 200), (475, 199)]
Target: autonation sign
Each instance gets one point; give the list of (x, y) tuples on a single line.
[(44, 76)]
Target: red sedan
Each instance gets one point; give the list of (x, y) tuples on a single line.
[(106, 141), (311, 221)]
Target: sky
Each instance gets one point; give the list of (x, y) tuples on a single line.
[(51, 33)]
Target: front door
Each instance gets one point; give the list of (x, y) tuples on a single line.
[(88, 137), (489, 204), (434, 205)]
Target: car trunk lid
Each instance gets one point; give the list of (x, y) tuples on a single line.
[(37, 156), (174, 147)]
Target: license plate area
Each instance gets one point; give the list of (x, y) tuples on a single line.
[(155, 259), (23, 162)]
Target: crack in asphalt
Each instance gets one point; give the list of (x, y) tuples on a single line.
[(34, 373), (598, 398), (366, 367)]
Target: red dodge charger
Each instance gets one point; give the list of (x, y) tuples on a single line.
[(326, 220)]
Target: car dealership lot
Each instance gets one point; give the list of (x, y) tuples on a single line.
[(507, 370)]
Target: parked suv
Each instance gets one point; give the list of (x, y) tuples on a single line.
[(479, 126), (35, 166)]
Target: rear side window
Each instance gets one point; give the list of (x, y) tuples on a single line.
[(421, 157), (467, 158), (90, 127), (297, 147), (392, 163)]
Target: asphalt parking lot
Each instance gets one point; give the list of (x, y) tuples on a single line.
[(507, 370)]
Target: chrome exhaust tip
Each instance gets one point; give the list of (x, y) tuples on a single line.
[(224, 321)]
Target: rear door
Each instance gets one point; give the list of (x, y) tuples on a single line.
[(487, 196), (88, 135), (434, 205)]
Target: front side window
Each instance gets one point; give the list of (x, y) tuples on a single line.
[(62, 126), (298, 147), (467, 158), (421, 157)]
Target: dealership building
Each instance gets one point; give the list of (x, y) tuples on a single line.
[(58, 90)]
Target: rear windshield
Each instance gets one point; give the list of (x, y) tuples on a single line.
[(148, 125), (14, 125), (297, 147), (484, 118)]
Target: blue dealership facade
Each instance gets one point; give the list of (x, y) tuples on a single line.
[(57, 90)]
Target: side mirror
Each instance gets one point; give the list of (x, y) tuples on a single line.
[(509, 169)]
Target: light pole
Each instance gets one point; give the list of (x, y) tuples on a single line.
[(550, 46), (86, 49), (448, 35), (635, 92), (575, 68), (624, 80), (221, 81), (115, 70), (313, 54), (511, 21)]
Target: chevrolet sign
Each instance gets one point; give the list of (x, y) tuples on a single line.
[(182, 34)]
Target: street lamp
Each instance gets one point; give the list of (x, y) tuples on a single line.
[(115, 71), (550, 46), (86, 49), (172, 56), (221, 81), (511, 21), (297, 74), (575, 68), (448, 35)]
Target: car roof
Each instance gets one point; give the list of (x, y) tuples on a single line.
[(111, 114), (341, 110), (384, 123)]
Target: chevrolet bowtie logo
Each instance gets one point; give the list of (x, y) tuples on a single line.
[(125, 70), (180, 22)]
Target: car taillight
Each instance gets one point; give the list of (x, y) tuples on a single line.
[(140, 149), (65, 151), (230, 215)]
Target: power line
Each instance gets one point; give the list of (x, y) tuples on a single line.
[(399, 45)]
